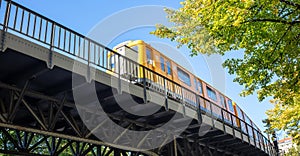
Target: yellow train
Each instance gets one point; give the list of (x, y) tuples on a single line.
[(144, 54)]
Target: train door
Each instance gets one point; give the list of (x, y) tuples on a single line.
[(199, 91), (183, 79), (169, 75), (223, 104), (165, 70), (240, 114), (205, 103), (248, 126), (213, 105), (198, 88), (257, 135), (231, 110)]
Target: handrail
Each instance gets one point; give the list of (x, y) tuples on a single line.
[(74, 44)]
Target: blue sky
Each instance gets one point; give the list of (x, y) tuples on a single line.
[(88, 18)]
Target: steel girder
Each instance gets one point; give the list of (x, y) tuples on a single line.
[(28, 129)]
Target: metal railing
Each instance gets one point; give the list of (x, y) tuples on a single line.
[(25, 22)]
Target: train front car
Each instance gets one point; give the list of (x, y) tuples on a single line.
[(127, 65)]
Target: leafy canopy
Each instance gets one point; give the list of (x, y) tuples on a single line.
[(268, 31), (284, 117)]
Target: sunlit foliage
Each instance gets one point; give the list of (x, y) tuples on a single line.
[(268, 33)]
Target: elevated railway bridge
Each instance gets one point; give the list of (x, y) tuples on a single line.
[(56, 97)]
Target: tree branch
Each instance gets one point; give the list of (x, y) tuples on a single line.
[(287, 30), (273, 20), (287, 14), (291, 3)]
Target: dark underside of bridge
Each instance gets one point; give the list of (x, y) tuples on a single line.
[(36, 100)]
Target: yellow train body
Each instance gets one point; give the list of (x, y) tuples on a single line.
[(143, 54)]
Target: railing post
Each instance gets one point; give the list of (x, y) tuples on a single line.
[(212, 116), (198, 109), (224, 130), (259, 140), (232, 125), (247, 129), (119, 75), (166, 95), (7, 14), (182, 99), (263, 142), (241, 129), (144, 84), (254, 137), (267, 145), (50, 64), (5, 24), (88, 62)]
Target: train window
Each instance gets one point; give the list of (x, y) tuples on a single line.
[(240, 113), (183, 76), (162, 63), (169, 68), (247, 120), (148, 54), (211, 94), (222, 101), (200, 86), (230, 105)]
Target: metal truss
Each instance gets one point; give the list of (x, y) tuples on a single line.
[(30, 119), (29, 128), (34, 124), (26, 142)]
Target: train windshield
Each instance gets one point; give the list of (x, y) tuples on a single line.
[(135, 48)]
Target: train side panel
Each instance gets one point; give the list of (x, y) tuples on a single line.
[(156, 61), (240, 114)]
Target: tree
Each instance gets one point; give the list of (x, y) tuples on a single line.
[(295, 151), (267, 31), (284, 117)]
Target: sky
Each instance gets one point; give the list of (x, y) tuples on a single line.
[(114, 21)]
